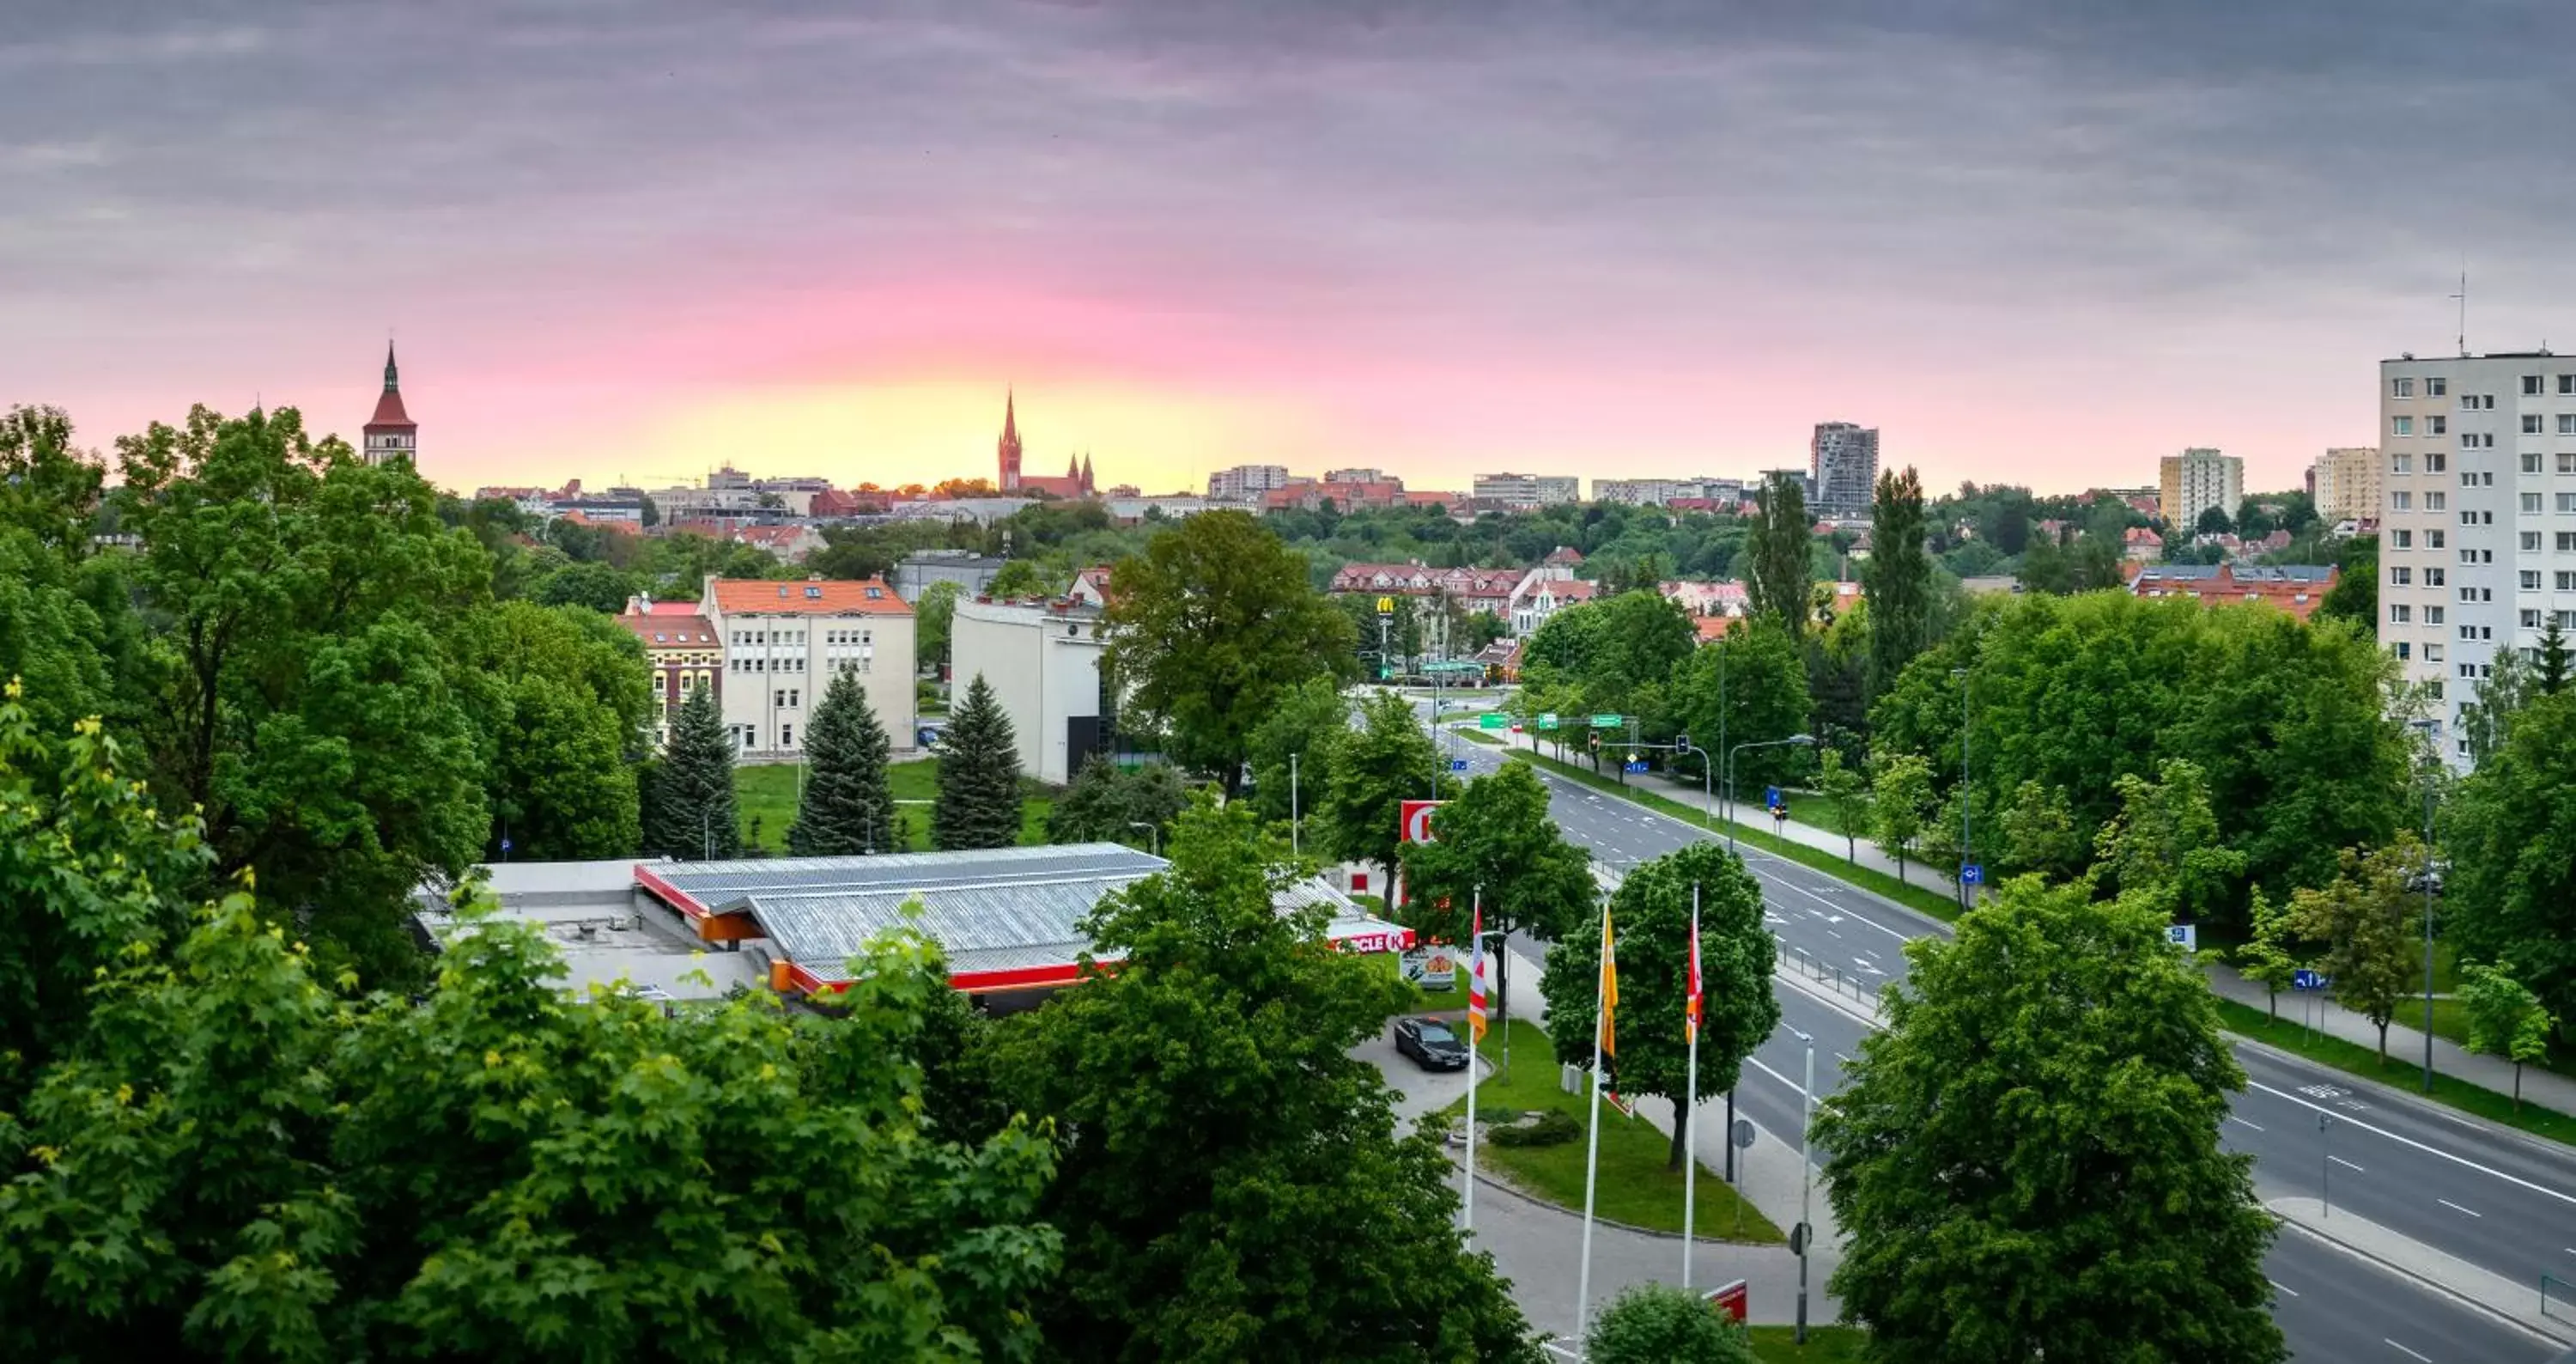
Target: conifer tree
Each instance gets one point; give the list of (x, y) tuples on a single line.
[(692, 811), (2552, 658), (979, 776), (848, 807)]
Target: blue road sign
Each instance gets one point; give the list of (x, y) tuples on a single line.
[(1972, 875), (1635, 765), (2305, 979), (1771, 796), (1457, 764), (505, 845)]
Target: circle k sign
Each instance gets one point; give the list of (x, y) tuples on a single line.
[(1417, 821)]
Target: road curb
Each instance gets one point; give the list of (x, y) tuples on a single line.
[(2406, 1098)]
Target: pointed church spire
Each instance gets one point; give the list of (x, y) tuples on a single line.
[(1010, 417), (1086, 471), (393, 383)]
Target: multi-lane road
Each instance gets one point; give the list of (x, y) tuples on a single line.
[(2491, 1198)]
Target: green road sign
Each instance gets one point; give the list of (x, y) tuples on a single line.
[(1493, 720), (1607, 721), (1547, 721)]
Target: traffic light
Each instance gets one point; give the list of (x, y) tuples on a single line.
[(1681, 741)]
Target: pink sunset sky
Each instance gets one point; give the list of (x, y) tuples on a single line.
[(636, 241)]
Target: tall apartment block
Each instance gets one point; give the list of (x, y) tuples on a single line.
[(2477, 543), (2345, 484), (2195, 481), (1246, 482), (1842, 469)]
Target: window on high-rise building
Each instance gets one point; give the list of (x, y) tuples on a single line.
[(2435, 388), (2401, 539), (2531, 385), (2433, 577), (2437, 502), (2401, 614), (2436, 462), (2435, 539), (2567, 384), (2401, 463), (2531, 423), (2401, 426), (2401, 500), (2529, 580), (2531, 542), (2401, 576), (2531, 462), (2566, 425), (2563, 581), (2401, 388), (2531, 502)]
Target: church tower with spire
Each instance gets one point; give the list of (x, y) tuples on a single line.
[(1010, 445), (391, 434), (1087, 489)]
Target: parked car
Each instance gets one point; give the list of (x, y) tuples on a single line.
[(1429, 1041), (928, 736)]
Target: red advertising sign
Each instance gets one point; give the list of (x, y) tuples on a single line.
[(1417, 821), (1386, 940), (1729, 1300)]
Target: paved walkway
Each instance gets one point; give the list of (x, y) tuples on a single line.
[(2545, 1088)]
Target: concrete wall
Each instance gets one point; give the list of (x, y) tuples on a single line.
[(1043, 664)]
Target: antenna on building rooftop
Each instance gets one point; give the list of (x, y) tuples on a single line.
[(2463, 297)]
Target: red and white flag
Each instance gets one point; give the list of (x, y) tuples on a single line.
[(1691, 1008), (1476, 975)]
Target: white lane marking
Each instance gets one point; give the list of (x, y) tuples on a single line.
[(2428, 1359), (2351, 1121), (2233, 1118), (1867, 967), (1842, 1058), (2280, 1287), (1794, 1088), (2457, 1208), (1833, 935), (1787, 884), (2348, 1165)]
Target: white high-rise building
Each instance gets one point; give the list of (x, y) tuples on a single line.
[(1527, 490), (1842, 469), (2477, 544), (1246, 482)]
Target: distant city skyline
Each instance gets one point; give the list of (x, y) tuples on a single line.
[(2028, 243)]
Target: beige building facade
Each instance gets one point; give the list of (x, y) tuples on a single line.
[(2195, 481), (783, 641), (2348, 484)]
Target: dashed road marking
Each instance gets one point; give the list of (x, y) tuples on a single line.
[(2457, 1208), (2235, 1119), (2280, 1287), (2428, 1359), (2348, 1165)]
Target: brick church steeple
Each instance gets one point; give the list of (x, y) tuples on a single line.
[(391, 433), (1010, 445)]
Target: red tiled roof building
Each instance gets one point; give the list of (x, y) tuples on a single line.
[(390, 433)]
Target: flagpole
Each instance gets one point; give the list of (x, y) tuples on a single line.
[(1475, 1030), (1690, 1103), (1592, 1151)]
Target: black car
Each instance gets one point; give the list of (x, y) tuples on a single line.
[(1430, 1042)]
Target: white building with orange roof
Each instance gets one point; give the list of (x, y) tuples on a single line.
[(783, 641)]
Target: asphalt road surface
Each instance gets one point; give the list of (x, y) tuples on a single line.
[(2491, 1197)]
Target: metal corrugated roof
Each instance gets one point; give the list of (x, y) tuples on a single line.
[(1001, 909)]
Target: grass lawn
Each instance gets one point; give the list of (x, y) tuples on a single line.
[(768, 794), (1933, 902), (1825, 1344), (1475, 735), (2355, 1059), (1813, 808), (1634, 1187)]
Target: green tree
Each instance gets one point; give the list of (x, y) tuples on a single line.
[(595, 586), (1293, 747), (1246, 1196), (690, 809), (2354, 598), (301, 697), (1211, 626), (2366, 920), (2213, 521), (2495, 700), (848, 805), (48, 487), (2040, 835), (1655, 1323), (1897, 578), (2505, 1018), (1900, 799), (1776, 588), (1650, 918), (2550, 662), (1847, 792), (1750, 687), (935, 621), (52, 624), (1018, 578), (2020, 1160), (2511, 892), (979, 776), (1496, 844), (2164, 845), (2265, 958), (1378, 767), (563, 698), (1105, 803)]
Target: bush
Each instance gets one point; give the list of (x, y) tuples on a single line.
[(1554, 1127), (1653, 1323)]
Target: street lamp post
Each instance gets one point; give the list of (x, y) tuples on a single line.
[(1966, 797), (1152, 832), (1707, 761), (1806, 1177), (1793, 741), (2432, 758)]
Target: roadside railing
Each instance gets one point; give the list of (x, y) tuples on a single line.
[(1835, 978), (2557, 1299)]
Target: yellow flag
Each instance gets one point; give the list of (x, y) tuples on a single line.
[(1609, 989)]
